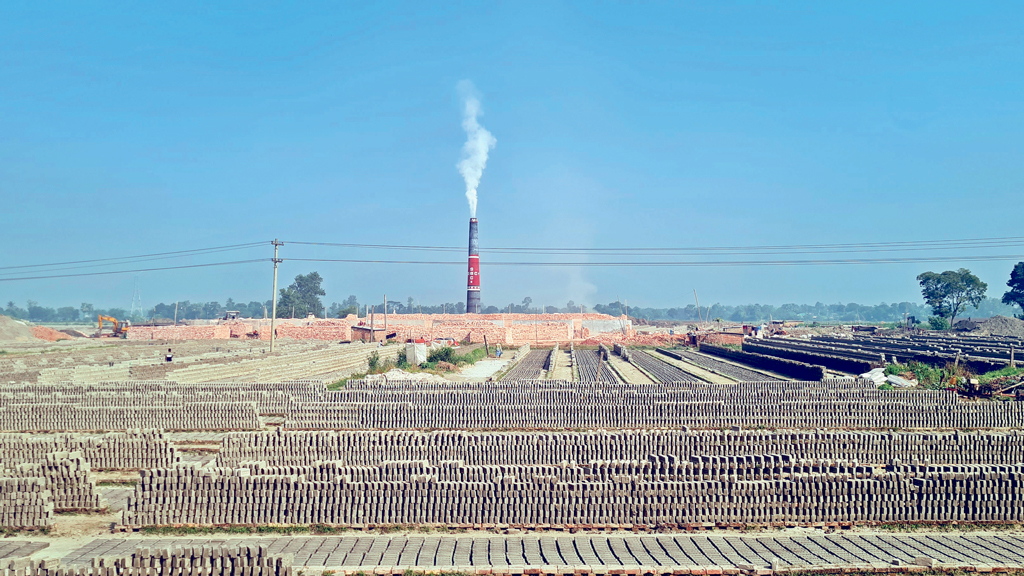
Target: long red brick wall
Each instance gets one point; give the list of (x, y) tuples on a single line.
[(508, 329)]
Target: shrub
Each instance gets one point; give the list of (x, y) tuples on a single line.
[(444, 354), (374, 361), (938, 323)]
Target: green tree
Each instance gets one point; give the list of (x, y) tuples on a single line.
[(1015, 295), (951, 291), (303, 296)]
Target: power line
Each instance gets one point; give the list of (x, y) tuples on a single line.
[(182, 252), (973, 244), (685, 263), (56, 268), (968, 244), (135, 270)]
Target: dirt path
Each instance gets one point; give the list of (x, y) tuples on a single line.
[(631, 374), (697, 371), (561, 370)]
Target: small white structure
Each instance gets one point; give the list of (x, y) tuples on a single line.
[(415, 354)]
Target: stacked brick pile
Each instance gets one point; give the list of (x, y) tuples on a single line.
[(197, 560), (132, 450), (591, 366), (362, 448), (71, 417), (509, 329), (219, 332), (717, 366), (318, 331), (330, 360), (633, 339), (66, 476), (549, 404), (25, 503), (789, 368), (529, 366), (542, 332), (768, 489), (658, 369)]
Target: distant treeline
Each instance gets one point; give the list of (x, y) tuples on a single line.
[(86, 312), (818, 312)]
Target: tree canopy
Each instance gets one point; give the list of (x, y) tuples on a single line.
[(1015, 295), (950, 292), (302, 297)]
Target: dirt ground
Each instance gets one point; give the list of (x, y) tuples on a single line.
[(631, 374)]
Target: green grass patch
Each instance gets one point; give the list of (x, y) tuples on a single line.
[(1003, 373), (449, 355), (949, 527), (927, 376), (265, 529), (313, 529), (13, 532), (955, 572), (101, 512)]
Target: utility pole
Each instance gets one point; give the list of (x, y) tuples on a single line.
[(700, 320), (385, 316), (175, 313), (273, 311)]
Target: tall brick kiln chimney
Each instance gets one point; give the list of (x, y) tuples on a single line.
[(473, 284)]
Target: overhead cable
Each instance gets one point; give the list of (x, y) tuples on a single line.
[(81, 274)]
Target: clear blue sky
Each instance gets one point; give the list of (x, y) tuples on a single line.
[(135, 128)]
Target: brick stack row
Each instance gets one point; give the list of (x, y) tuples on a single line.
[(130, 450), (221, 332), (25, 503), (528, 366), (269, 398), (788, 368), (550, 404), (178, 561), (359, 448), (731, 370), (331, 359), (591, 366), (66, 475), (336, 332), (661, 371), (770, 489), (70, 417)]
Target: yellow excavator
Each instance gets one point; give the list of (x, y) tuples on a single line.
[(120, 327)]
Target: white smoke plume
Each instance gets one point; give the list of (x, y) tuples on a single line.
[(478, 144)]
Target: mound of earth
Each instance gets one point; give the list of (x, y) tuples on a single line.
[(13, 330), (1000, 326), (49, 334)]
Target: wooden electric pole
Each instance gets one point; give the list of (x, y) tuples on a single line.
[(273, 307)]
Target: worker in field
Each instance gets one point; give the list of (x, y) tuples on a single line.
[(169, 356)]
